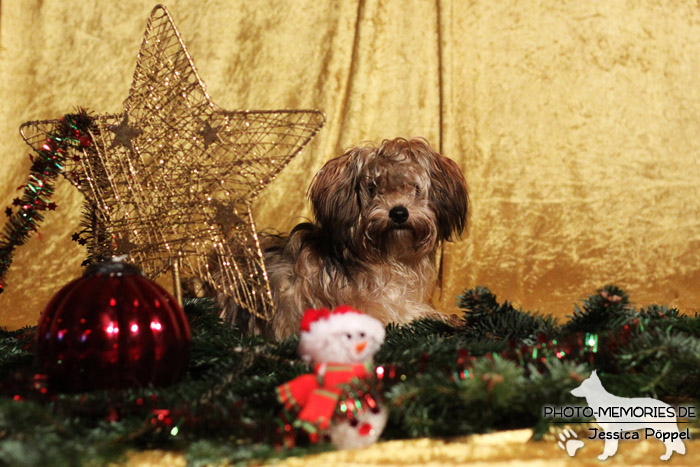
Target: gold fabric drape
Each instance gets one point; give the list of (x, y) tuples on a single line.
[(577, 124)]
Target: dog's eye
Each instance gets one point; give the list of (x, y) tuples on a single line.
[(417, 188), (372, 188)]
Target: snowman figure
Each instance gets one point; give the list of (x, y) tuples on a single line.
[(340, 346)]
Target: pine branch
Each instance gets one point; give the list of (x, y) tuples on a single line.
[(495, 370)]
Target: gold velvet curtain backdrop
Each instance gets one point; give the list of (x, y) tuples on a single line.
[(577, 124)]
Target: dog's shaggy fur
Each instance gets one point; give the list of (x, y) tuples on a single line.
[(380, 215)]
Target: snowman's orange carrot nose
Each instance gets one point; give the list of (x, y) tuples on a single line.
[(360, 347)]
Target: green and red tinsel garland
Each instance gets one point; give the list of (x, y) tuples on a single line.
[(494, 370), (26, 213)]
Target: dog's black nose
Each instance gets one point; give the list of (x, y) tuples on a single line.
[(398, 214)]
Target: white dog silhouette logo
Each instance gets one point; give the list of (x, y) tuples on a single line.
[(621, 417)]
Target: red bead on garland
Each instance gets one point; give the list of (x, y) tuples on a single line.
[(112, 328)]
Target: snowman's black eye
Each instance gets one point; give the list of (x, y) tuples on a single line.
[(362, 335), (348, 336)]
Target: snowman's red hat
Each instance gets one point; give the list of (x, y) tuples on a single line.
[(325, 335), (311, 315)]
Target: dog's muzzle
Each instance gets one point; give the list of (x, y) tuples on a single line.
[(399, 214)]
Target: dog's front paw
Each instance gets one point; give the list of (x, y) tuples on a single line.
[(452, 320)]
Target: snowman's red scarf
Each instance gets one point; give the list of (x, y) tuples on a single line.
[(316, 395)]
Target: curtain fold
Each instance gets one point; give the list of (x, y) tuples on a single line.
[(576, 124)]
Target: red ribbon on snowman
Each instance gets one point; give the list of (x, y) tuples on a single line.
[(340, 344)]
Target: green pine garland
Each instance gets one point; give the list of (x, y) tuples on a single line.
[(494, 371)]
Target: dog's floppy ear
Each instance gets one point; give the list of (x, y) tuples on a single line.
[(448, 194), (333, 191)]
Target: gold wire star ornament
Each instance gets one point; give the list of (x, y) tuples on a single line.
[(172, 178)]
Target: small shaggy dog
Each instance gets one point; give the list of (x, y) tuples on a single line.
[(380, 215)]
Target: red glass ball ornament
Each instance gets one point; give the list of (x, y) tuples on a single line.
[(112, 328)]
